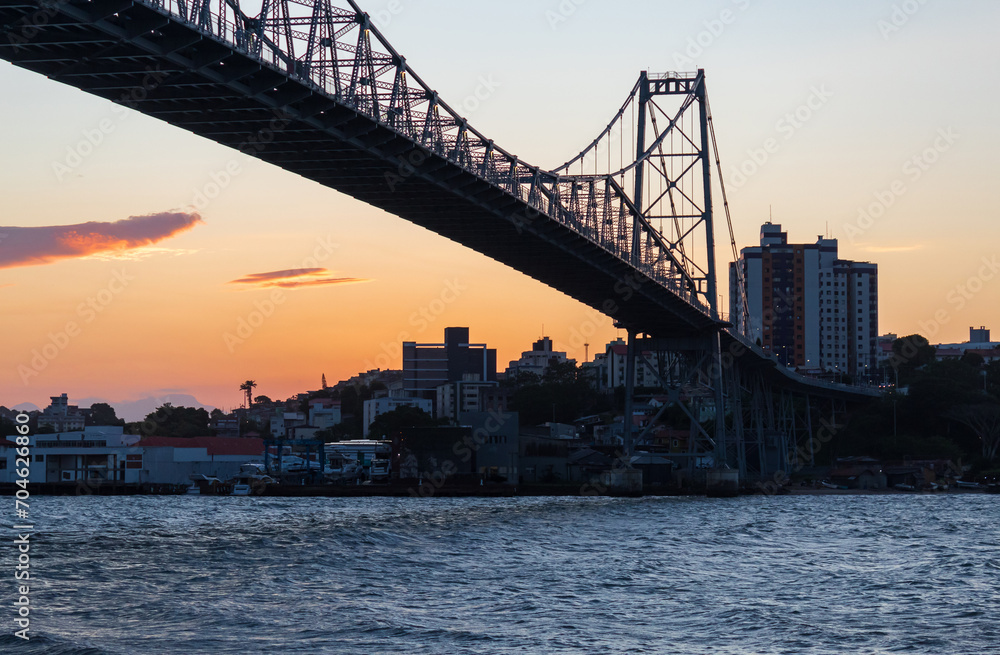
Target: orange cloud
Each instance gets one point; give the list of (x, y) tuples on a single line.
[(30, 246), (294, 278)]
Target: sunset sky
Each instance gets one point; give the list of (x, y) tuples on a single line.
[(897, 159)]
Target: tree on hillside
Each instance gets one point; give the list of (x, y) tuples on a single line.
[(975, 360), (262, 400), (561, 394), (909, 353), (170, 421), (103, 414), (7, 428), (984, 421), (993, 377), (324, 393), (247, 388), (338, 432), (933, 392)]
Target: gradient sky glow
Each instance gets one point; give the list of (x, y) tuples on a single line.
[(343, 283)]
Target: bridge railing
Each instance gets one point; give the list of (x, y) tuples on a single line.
[(339, 52)]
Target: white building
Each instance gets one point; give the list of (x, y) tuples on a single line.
[(283, 420), (806, 306), (616, 366), (457, 398), (883, 352), (173, 460), (324, 413), (61, 416), (378, 406), (979, 340), (537, 360), (98, 454), (102, 454), (596, 372)]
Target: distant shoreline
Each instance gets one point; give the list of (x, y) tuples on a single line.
[(822, 491), (457, 491)]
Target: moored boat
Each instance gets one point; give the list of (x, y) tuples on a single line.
[(251, 481)]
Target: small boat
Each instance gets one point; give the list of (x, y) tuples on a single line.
[(202, 484), (905, 487), (240, 489), (830, 485), (962, 484), (251, 481)]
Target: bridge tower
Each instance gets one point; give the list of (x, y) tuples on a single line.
[(627, 226)]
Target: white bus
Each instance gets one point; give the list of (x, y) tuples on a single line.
[(372, 456)]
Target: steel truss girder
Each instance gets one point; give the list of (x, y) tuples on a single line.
[(570, 232)]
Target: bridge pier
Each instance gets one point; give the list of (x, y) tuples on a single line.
[(629, 394), (736, 414)]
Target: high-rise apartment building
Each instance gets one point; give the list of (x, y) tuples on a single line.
[(806, 306), (427, 366)]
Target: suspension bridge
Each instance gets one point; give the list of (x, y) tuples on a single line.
[(626, 226)]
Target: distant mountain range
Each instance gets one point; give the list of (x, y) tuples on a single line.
[(131, 410)]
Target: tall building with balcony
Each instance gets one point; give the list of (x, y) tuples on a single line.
[(427, 366), (809, 308)]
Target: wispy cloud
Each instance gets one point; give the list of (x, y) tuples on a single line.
[(892, 248), (30, 246), (294, 278), (140, 253)]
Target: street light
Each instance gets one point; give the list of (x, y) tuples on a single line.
[(895, 396)]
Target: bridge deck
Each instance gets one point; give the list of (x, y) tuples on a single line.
[(142, 57), (135, 55)]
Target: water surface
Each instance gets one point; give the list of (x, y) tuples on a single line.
[(801, 574)]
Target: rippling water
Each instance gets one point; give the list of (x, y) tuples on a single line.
[(802, 574)]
